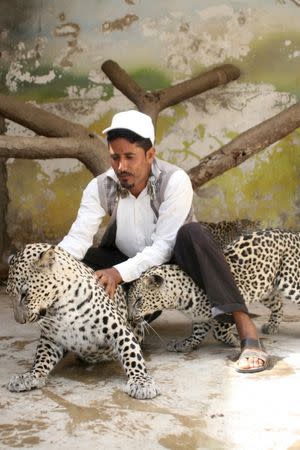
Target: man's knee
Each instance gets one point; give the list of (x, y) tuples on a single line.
[(90, 258), (191, 231)]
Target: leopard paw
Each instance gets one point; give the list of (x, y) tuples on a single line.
[(180, 346), (142, 388), (269, 328), (25, 382)]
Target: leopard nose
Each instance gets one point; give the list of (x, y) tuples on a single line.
[(137, 317), (24, 289), (43, 312)]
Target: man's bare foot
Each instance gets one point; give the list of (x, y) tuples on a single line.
[(252, 357)]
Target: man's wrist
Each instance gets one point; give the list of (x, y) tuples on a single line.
[(117, 276)]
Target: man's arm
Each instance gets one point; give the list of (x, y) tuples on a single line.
[(172, 215), (80, 237), (89, 217)]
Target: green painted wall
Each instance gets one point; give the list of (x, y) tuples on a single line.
[(52, 51)]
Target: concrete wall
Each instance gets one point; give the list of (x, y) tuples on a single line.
[(52, 51)]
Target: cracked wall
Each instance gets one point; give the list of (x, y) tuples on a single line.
[(51, 53)]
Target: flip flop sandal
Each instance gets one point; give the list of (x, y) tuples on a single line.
[(251, 348)]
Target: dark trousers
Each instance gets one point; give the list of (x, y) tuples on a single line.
[(103, 257), (199, 255)]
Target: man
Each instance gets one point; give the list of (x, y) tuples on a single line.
[(151, 221)]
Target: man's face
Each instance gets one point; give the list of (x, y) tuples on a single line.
[(131, 164)]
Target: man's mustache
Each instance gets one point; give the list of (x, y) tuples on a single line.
[(120, 174)]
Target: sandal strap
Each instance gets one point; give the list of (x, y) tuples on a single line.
[(250, 343)]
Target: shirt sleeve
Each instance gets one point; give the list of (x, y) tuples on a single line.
[(171, 216), (88, 220)]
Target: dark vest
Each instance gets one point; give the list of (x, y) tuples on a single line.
[(110, 191)]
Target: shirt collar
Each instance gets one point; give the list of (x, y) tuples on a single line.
[(155, 170)]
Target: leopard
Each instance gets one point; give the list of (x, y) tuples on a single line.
[(226, 231), (61, 295), (266, 267)]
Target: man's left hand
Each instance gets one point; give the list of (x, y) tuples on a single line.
[(109, 278)]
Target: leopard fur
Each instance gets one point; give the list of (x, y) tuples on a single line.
[(74, 313), (227, 231), (265, 265)]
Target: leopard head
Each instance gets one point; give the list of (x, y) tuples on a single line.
[(146, 296), (32, 281)]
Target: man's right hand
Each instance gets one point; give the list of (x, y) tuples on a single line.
[(109, 278)]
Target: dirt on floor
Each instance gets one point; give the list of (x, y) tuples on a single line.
[(204, 402)]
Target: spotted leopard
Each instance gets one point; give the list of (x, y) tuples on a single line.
[(266, 267), (61, 295)]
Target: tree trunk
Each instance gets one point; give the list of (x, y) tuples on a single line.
[(60, 138), (65, 139), (4, 239)]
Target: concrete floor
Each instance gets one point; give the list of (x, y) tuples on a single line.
[(204, 403)]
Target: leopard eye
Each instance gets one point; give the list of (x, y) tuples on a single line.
[(138, 302)]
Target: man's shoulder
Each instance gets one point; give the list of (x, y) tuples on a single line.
[(165, 170), (165, 165), (171, 171), (107, 174), (170, 178)]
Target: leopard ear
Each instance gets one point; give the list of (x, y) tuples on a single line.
[(11, 259), (46, 259), (154, 281)]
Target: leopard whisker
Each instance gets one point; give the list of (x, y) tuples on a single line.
[(149, 328)]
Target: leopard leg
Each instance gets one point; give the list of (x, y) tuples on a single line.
[(200, 330), (109, 353), (275, 305), (139, 385), (47, 355), (138, 330), (224, 332)]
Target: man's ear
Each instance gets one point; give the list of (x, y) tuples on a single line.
[(150, 154), (46, 259)]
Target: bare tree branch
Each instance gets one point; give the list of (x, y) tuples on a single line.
[(152, 102), (38, 147), (122, 81), (66, 139), (245, 145), (208, 80), (38, 120)]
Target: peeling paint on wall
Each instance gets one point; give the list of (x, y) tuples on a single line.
[(44, 211), (71, 31), (52, 52), (119, 24)]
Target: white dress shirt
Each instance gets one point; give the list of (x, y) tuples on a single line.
[(147, 241)]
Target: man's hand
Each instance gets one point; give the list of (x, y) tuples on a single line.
[(109, 278)]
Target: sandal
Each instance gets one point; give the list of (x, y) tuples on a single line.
[(251, 348)]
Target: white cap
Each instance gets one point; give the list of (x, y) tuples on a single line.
[(135, 121)]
